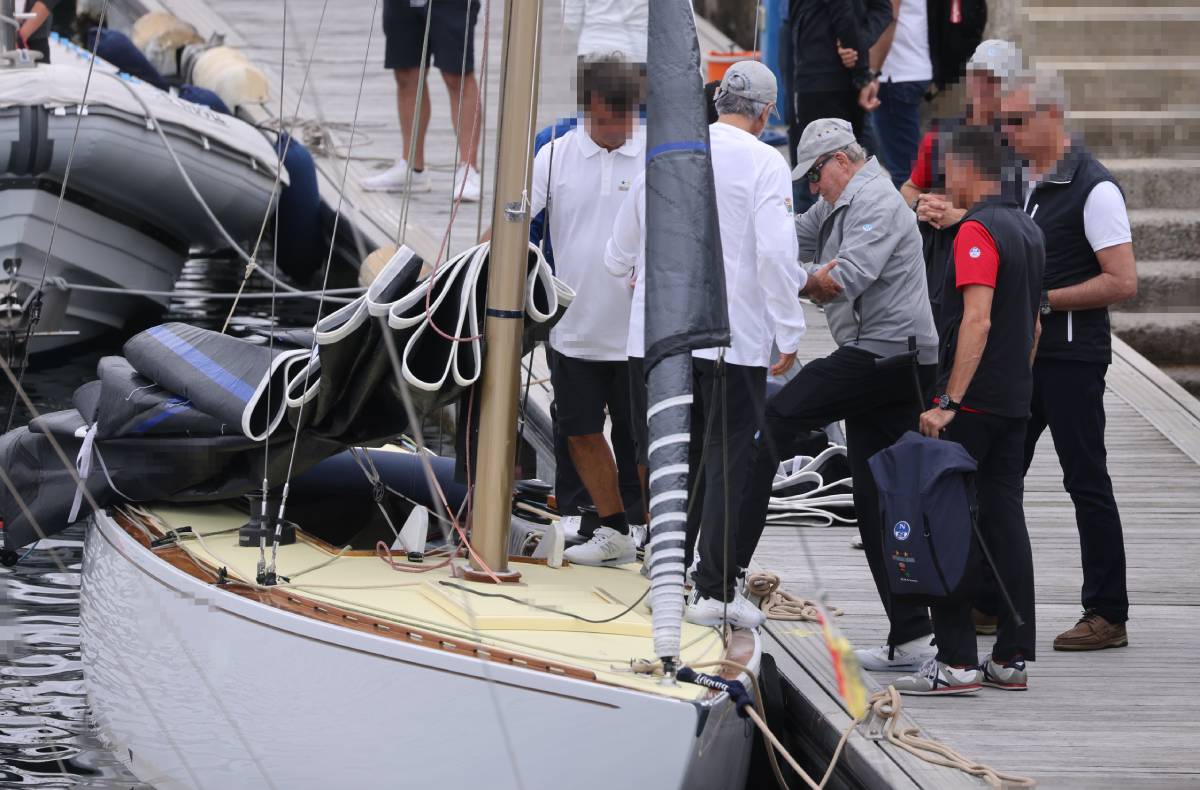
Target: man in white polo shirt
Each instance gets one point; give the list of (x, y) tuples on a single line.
[(581, 180)]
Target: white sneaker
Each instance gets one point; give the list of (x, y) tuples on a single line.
[(607, 547), (937, 679), (910, 655), (395, 179), (740, 613), (467, 185)]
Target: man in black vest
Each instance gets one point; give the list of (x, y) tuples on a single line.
[(993, 282), (1089, 266)]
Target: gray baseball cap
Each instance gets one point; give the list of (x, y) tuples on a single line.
[(822, 136), (998, 56), (751, 80)]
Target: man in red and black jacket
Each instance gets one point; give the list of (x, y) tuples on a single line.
[(990, 315), (1089, 266)]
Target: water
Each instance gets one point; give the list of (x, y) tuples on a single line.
[(46, 736)]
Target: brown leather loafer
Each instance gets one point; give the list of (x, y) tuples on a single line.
[(985, 624), (1092, 632)]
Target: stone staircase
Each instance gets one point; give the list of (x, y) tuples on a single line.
[(1133, 73)]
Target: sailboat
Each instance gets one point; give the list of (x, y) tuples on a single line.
[(294, 663)]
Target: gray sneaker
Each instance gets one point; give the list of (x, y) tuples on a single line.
[(936, 678), (1010, 677)]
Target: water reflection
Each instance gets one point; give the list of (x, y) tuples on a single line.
[(46, 736)]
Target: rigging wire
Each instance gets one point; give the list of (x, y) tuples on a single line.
[(251, 259), (62, 195)]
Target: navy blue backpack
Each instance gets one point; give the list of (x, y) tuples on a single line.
[(928, 516)]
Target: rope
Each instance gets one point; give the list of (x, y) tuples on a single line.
[(887, 706), (59, 282), (779, 605)]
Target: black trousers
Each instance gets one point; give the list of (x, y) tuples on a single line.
[(731, 400), (996, 443), (1068, 397), (569, 491), (878, 407)]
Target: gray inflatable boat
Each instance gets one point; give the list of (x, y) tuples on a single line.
[(129, 215)]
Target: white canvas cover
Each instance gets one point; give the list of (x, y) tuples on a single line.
[(62, 85)]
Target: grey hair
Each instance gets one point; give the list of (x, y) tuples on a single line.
[(1046, 88), (855, 152), (732, 104)]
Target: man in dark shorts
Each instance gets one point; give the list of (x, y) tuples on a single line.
[(985, 381), (34, 34), (451, 48)]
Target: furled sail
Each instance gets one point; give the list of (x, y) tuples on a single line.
[(685, 291), (183, 415)]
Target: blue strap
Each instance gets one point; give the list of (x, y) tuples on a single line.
[(734, 688), (681, 145)]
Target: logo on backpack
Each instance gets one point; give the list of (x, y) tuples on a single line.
[(902, 530)]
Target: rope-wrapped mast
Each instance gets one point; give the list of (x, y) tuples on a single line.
[(685, 293)]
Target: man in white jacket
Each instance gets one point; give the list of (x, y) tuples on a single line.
[(758, 241)]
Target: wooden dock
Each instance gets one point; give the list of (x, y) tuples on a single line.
[(1120, 718), (1116, 718)]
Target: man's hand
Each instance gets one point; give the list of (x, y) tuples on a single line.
[(821, 287), (868, 96), (934, 421), (849, 56), (784, 364), (938, 211)]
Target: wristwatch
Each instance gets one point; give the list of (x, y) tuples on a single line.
[(946, 403), (1044, 308), (866, 79)]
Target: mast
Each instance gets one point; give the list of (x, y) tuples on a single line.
[(685, 294), (507, 268)]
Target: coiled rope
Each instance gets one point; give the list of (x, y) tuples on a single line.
[(886, 705), (779, 605)]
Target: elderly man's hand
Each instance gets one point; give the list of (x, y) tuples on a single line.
[(784, 364), (934, 421), (849, 56), (821, 287)]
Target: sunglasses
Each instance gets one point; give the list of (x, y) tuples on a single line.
[(1013, 119), (814, 173)]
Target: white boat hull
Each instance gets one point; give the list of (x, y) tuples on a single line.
[(199, 688)]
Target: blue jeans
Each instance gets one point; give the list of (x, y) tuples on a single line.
[(898, 126)]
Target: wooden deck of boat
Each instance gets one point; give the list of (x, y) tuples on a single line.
[(1120, 718)]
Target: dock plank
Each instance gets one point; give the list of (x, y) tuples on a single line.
[(1117, 718)]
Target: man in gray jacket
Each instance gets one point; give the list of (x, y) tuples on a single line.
[(862, 260)]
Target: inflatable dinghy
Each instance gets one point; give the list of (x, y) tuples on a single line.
[(151, 175)]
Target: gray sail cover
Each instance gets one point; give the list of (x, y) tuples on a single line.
[(183, 415), (685, 292)]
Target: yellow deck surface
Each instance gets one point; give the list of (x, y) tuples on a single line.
[(368, 585)]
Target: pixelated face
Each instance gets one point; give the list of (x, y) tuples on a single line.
[(961, 173), (610, 125), (1029, 125), (983, 94)]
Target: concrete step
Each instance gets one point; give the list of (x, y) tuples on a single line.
[(1187, 376), (1165, 286), (1158, 183), (1165, 234), (1163, 338), (1083, 30), (1139, 83), (1138, 133)]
